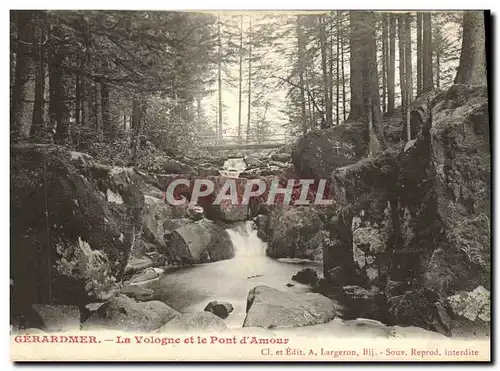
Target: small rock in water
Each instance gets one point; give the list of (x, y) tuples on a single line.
[(220, 309), (290, 285), (307, 276)]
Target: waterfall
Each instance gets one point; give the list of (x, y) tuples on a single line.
[(233, 167), (245, 240)]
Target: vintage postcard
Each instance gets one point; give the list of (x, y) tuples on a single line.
[(250, 186)]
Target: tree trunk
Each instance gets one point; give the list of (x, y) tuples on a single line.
[(240, 79), (385, 59), (37, 131), (110, 127), (219, 79), (137, 113), (249, 76), (337, 80), (408, 71), (343, 71), (438, 67), (391, 73), (310, 106), (472, 66), (78, 101), (364, 50), (376, 130), (419, 54), (301, 55), (357, 55), (326, 82), (24, 21), (86, 66), (59, 82), (98, 112), (402, 64), (427, 84)]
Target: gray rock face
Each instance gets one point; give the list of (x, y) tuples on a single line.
[(474, 305), (93, 211), (125, 314), (199, 242), (320, 152), (197, 322), (269, 308), (416, 218), (295, 232), (156, 212)]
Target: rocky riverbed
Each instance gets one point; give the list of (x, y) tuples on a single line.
[(403, 251)]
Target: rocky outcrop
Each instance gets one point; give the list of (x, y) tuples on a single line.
[(319, 152), (125, 314), (269, 308), (199, 242), (414, 220), (295, 232), (204, 322), (73, 225)]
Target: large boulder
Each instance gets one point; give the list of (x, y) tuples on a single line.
[(73, 223), (199, 242), (125, 314), (318, 153), (195, 323), (307, 276), (156, 212), (268, 308), (295, 232)]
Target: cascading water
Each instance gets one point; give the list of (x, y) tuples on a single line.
[(233, 167), (190, 289), (246, 241)]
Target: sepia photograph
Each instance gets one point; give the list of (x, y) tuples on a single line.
[(271, 186)]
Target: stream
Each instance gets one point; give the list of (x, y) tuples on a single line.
[(190, 289)]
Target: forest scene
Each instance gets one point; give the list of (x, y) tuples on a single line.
[(108, 108)]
